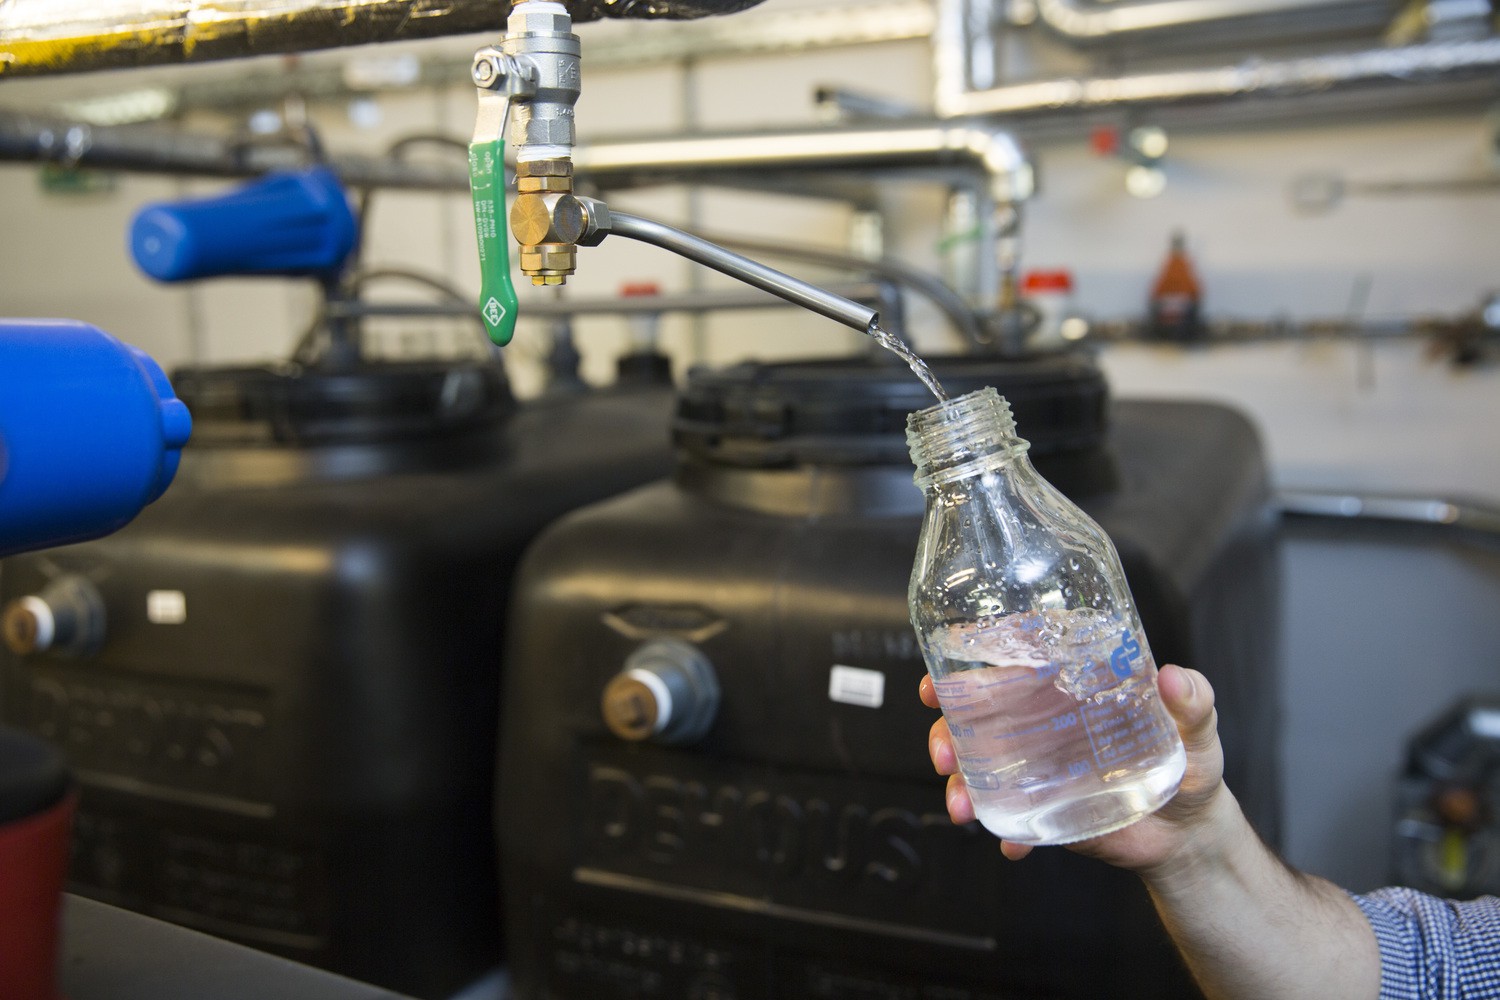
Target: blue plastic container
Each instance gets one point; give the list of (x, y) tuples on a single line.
[(90, 433), (288, 222)]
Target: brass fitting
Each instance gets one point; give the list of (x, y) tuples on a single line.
[(547, 220)]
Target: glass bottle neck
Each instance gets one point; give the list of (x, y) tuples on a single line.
[(962, 437)]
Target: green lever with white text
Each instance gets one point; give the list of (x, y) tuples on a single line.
[(497, 291)]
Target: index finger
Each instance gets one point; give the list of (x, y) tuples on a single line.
[(927, 692)]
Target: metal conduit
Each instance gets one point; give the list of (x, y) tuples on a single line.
[(1406, 65)]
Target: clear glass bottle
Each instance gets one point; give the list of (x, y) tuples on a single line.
[(1032, 639)]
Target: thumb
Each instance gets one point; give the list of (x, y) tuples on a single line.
[(1190, 698)]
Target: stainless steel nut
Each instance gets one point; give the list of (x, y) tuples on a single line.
[(535, 129)]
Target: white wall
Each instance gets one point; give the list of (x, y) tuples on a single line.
[(1379, 417)]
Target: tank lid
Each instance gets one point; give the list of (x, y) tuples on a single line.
[(375, 401), (852, 411), (33, 775)]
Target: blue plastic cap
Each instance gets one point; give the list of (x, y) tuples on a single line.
[(90, 433), (286, 223)]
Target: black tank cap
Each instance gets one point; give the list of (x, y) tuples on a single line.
[(376, 401), (33, 775), (852, 411)]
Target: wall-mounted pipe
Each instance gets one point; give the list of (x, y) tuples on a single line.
[(44, 36), (963, 49), (1092, 21), (29, 138), (1406, 65)]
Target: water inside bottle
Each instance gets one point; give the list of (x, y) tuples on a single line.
[(1058, 729), (919, 367)]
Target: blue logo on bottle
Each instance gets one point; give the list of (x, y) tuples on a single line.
[(1122, 660)]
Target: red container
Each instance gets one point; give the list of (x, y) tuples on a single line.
[(36, 818)]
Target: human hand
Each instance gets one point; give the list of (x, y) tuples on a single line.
[(1152, 844)]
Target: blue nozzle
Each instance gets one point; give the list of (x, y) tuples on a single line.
[(286, 223), (90, 433)]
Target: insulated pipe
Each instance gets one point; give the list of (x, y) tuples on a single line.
[(45, 36), (1268, 78)]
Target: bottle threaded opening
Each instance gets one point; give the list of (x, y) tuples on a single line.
[(961, 436)]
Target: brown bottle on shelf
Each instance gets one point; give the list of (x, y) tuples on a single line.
[(1176, 296)]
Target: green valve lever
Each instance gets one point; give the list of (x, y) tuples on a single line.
[(497, 292)]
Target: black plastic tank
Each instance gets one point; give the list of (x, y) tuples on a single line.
[(277, 685), (714, 780)]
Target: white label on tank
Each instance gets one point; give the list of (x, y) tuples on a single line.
[(856, 686), (166, 607), (1486, 723)]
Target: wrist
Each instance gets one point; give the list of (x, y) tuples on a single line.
[(1212, 848)]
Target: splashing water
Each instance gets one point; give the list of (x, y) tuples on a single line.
[(918, 367)]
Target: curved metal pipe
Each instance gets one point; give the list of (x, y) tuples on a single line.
[(985, 152), (987, 149)]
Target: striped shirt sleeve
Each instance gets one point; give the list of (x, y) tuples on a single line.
[(1434, 949)]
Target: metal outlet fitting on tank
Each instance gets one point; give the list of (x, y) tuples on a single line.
[(67, 617), (666, 692)]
